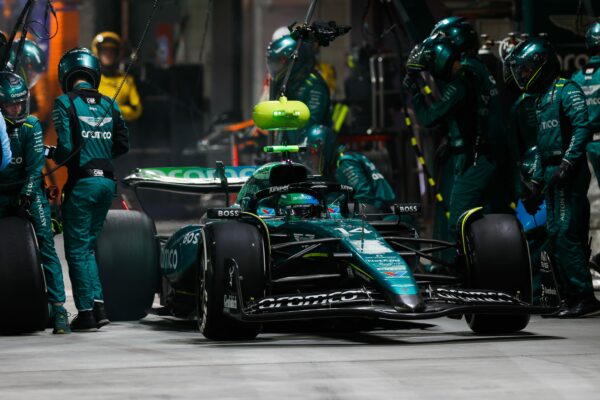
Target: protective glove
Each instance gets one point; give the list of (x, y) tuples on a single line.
[(562, 174), (410, 84), (533, 199), (24, 206)]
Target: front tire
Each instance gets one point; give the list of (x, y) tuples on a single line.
[(23, 296), (223, 242), (498, 259)]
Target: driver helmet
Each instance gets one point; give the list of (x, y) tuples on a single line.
[(14, 98), (298, 205)]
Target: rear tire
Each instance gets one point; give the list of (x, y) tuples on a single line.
[(223, 241), (23, 297), (498, 260), (128, 264)]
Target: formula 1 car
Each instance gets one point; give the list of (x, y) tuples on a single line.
[(289, 248)]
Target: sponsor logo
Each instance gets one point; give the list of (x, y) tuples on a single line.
[(169, 259), (90, 100), (16, 161), (553, 123), (223, 213), (468, 296), (230, 302), (191, 238), (376, 176), (593, 101), (408, 208), (96, 135), (313, 299), (279, 189), (96, 121)]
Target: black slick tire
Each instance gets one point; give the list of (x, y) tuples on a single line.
[(127, 254)]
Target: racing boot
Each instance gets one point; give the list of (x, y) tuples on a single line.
[(100, 314), (60, 320), (84, 321), (587, 306)]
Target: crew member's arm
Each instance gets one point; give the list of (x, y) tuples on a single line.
[(120, 136), (64, 145), (132, 110), (5, 153), (431, 114), (574, 106), (34, 159)]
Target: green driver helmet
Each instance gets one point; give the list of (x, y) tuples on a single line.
[(592, 38), (461, 32), (435, 54), (534, 64), (321, 150), (279, 58), (32, 62), (78, 63), (14, 98)]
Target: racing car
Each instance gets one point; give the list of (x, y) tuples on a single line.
[(290, 248)]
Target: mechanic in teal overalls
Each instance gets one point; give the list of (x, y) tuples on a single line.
[(91, 133), (466, 39), (472, 136), (305, 84), (589, 79), (28, 199), (523, 139), (560, 174), (324, 157)]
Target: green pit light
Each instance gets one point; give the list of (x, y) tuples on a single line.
[(282, 149)]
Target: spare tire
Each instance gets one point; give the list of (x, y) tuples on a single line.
[(23, 296), (498, 260), (127, 253)]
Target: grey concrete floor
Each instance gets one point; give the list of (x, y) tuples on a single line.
[(162, 358)]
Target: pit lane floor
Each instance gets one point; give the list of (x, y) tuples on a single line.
[(162, 358)]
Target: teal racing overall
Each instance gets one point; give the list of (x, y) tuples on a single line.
[(589, 80), (563, 134), (370, 187), (471, 137), (27, 146), (91, 133), (312, 91)]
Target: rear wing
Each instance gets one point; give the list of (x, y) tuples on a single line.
[(191, 180)]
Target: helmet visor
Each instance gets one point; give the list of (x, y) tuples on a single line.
[(525, 70)]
